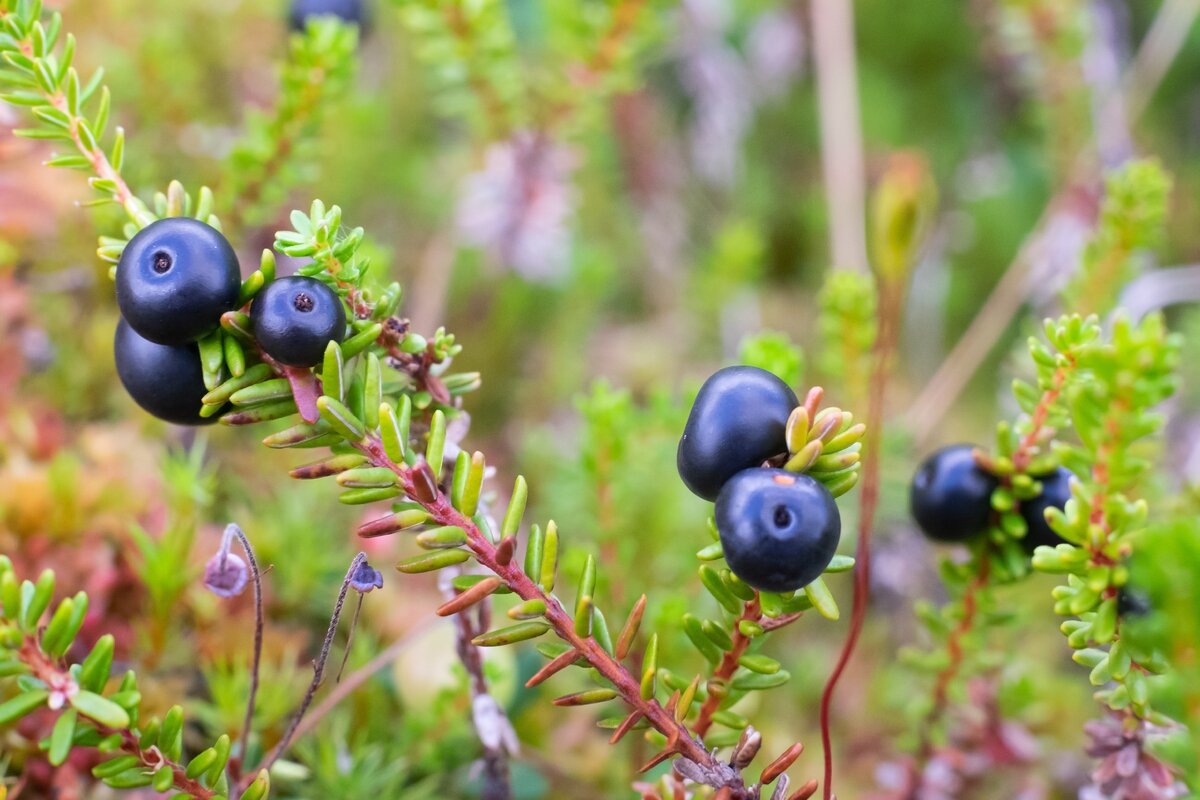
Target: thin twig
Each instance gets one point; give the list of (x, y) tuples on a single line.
[(891, 303), (751, 612), (679, 739), (360, 676), (319, 667), (259, 626), (497, 781)]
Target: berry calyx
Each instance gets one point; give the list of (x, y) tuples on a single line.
[(346, 10), (951, 497), (738, 421), (296, 318), (165, 380), (1056, 491), (175, 279), (779, 531)]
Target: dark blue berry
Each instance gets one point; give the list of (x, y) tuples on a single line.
[(737, 422), (951, 497), (1133, 602), (175, 279), (779, 531), (1056, 491), (296, 318), (165, 380), (346, 10)]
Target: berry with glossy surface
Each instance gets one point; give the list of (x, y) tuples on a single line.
[(737, 422), (175, 279), (779, 531), (296, 318), (346, 10), (1056, 491), (165, 380), (951, 497)]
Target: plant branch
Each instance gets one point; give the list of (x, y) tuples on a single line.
[(751, 612), (318, 670), (497, 781), (679, 740), (47, 670), (358, 678)]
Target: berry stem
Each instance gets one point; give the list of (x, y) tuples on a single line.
[(751, 612), (680, 740)]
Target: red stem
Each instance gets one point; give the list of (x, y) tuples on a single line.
[(679, 739), (752, 612), (885, 345)]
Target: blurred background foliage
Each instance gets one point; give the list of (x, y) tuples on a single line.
[(602, 200)]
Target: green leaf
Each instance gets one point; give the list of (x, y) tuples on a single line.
[(102, 710), (822, 599), (17, 707), (520, 632), (431, 561)]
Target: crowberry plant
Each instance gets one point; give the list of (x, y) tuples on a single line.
[(309, 343)]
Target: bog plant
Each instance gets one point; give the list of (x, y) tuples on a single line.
[(325, 359)]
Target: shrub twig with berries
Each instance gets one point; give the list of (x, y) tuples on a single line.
[(197, 344)]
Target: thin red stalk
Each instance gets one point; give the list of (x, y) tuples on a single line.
[(955, 649), (752, 612), (679, 739), (885, 345)]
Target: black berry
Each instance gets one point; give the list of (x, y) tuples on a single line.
[(1133, 602), (951, 497), (165, 380), (347, 10), (176, 277), (779, 531), (737, 422), (296, 318), (1056, 491)]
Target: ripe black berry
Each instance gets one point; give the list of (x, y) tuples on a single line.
[(1056, 491), (779, 531), (176, 277), (346, 10), (737, 422), (165, 380), (951, 497), (296, 318)]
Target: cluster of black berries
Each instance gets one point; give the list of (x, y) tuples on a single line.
[(951, 499), (779, 530), (175, 279)]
